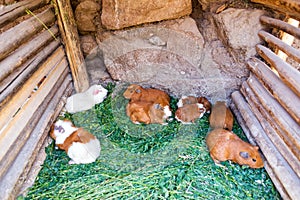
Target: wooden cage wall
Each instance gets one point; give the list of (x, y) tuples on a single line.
[(35, 80), (268, 103)]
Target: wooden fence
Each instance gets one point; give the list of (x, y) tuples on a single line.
[(35, 80), (268, 103)]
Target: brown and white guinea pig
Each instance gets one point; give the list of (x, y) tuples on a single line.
[(147, 112), (80, 145), (224, 145), (192, 100), (138, 93), (188, 113), (221, 116), (206, 103)]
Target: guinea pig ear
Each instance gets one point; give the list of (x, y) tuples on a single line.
[(244, 155), (138, 91)]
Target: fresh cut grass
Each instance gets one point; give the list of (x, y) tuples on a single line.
[(146, 162)]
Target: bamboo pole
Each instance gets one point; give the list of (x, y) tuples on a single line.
[(10, 12), (19, 170), (241, 120), (276, 23), (289, 75), (14, 37), (18, 99), (279, 115), (18, 129), (71, 41), (12, 83), (11, 63), (287, 49), (280, 141), (284, 95), (283, 172)]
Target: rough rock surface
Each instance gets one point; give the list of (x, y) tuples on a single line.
[(88, 45), (125, 13), (204, 56), (211, 5), (86, 14), (172, 56), (238, 28)]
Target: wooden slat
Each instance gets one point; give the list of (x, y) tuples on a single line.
[(276, 23), (287, 49), (283, 94), (289, 7), (23, 93), (13, 11), (14, 37), (12, 181), (251, 139), (287, 177), (15, 134), (68, 29), (273, 132), (279, 115), (17, 78), (22, 54), (243, 125), (289, 75)]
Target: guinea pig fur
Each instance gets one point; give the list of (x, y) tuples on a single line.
[(138, 93), (224, 145), (206, 103), (192, 100), (147, 112), (189, 113), (221, 116), (80, 145)]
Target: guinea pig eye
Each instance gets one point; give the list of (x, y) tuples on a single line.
[(254, 160)]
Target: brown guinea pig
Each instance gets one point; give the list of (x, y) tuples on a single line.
[(224, 145), (189, 113), (206, 103), (192, 100), (187, 100), (138, 93), (147, 112), (221, 116)]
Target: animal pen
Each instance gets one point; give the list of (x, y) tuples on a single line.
[(41, 64)]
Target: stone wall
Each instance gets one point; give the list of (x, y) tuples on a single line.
[(168, 45)]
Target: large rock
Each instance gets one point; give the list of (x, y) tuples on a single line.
[(170, 55), (86, 14), (238, 29), (118, 14)]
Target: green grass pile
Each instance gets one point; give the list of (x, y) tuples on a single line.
[(146, 162)]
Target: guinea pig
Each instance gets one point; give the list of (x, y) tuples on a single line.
[(147, 112), (221, 116), (189, 113), (86, 100), (206, 103), (192, 100), (187, 100), (224, 145), (138, 93), (80, 145)]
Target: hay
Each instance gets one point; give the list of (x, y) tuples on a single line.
[(146, 162)]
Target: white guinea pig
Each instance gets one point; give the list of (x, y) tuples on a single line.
[(86, 100), (80, 145)]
